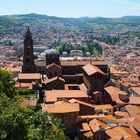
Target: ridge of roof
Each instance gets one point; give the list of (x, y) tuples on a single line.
[(91, 69), (54, 79), (53, 64)]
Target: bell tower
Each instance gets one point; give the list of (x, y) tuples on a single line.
[(28, 58)]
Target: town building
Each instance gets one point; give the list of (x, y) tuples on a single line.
[(56, 73), (81, 93)]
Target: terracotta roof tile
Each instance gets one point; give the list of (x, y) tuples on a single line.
[(82, 63), (61, 108), (121, 114), (27, 102), (54, 79), (136, 90), (136, 123), (134, 100), (90, 69), (132, 110), (24, 85), (53, 95), (85, 126), (103, 107), (118, 132), (88, 134), (114, 92), (81, 102), (29, 76)]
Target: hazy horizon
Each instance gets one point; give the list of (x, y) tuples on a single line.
[(70, 17), (72, 8)]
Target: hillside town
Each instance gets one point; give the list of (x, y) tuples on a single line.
[(97, 98)]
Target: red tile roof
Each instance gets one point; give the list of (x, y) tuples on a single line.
[(27, 102), (136, 90), (61, 108), (132, 110), (33, 76), (136, 123), (55, 79), (82, 63), (90, 69), (54, 95)]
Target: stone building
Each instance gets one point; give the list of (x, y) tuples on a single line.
[(70, 71), (68, 112), (28, 58)]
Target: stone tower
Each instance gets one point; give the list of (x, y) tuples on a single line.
[(28, 58)]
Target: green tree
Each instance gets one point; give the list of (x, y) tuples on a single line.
[(7, 83), (18, 123), (45, 127), (13, 120), (30, 123), (59, 49)]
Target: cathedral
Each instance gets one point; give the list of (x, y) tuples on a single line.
[(57, 74), (28, 59)]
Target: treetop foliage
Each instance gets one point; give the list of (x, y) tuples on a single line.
[(29, 123)]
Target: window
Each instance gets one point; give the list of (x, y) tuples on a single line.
[(97, 76), (73, 87)]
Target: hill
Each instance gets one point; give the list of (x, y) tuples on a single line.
[(84, 23), (50, 30)]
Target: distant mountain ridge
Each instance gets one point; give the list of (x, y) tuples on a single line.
[(82, 23), (40, 16)]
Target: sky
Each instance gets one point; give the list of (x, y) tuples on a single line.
[(72, 8)]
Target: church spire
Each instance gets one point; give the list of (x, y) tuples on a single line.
[(28, 58), (28, 34)]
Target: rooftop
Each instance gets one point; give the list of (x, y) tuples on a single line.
[(33, 76), (82, 63), (118, 132), (114, 92), (23, 85), (136, 123), (55, 79), (136, 90), (53, 64), (90, 69), (27, 102), (103, 107), (81, 102), (53, 95), (61, 108), (121, 114), (132, 110), (134, 100), (73, 63)]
